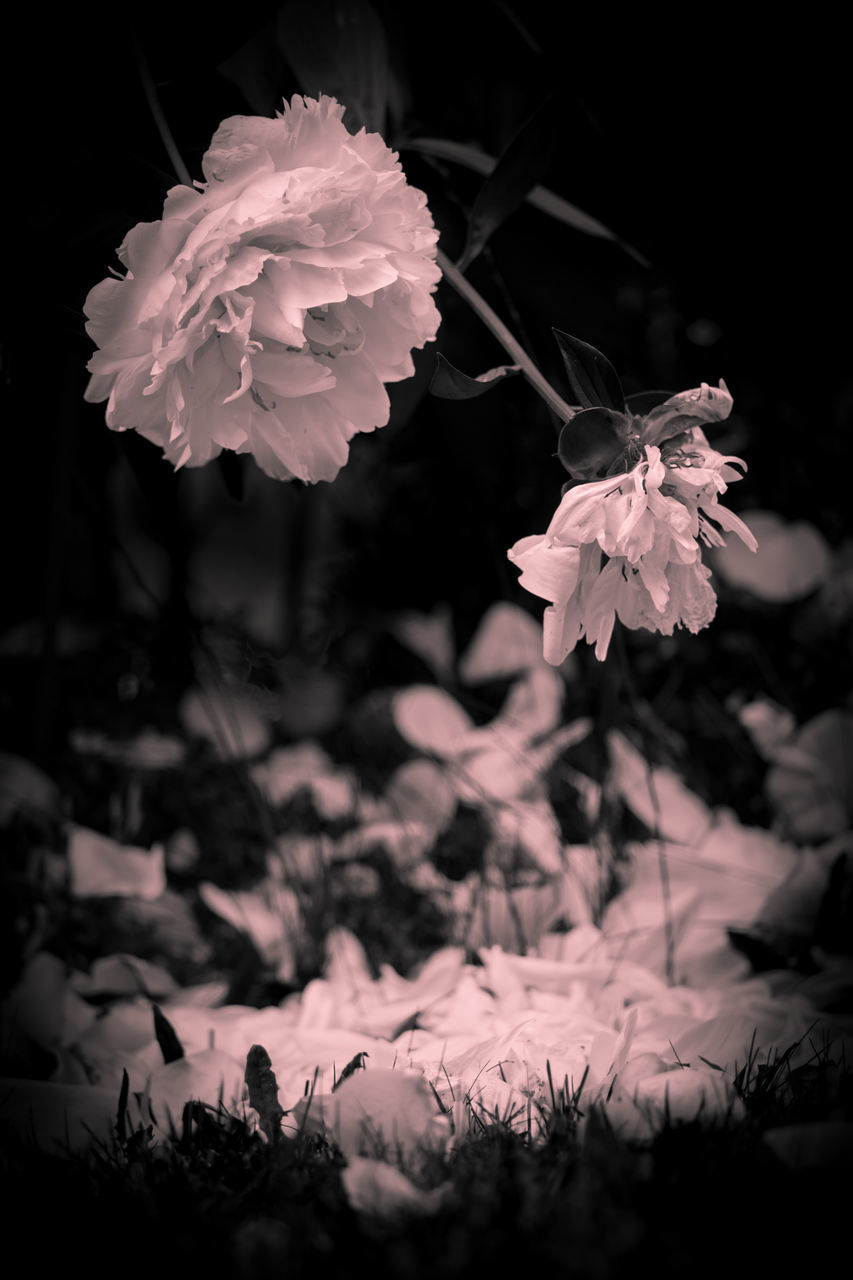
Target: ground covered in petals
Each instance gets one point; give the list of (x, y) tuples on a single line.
[(442, 973)]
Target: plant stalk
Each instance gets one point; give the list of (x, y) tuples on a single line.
[(510, 344)]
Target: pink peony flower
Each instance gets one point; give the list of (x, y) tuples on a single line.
[(267, 309), (628, 546)]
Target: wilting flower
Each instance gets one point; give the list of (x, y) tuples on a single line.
[(267, 309), (628, 545)]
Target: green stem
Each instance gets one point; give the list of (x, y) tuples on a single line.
[(520, 357)]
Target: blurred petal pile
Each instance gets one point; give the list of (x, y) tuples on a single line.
[(267, 309), (628, 545)]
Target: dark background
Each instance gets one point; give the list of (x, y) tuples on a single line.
[(718, 153)]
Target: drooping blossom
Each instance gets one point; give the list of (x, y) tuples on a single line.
[(268, 308), (628, 545)]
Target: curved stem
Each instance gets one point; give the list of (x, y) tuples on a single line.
[(504, 337), (160, 120)]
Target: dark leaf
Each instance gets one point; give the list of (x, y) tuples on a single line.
[(593, 381), (263, 1091), (591, 442), (170, 1046), (539, 197), (642, 402), (449, 383), (338, 48), (256, 69), (355, 1064), (517, 171)]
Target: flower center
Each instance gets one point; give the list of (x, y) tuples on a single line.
[(332, 330)]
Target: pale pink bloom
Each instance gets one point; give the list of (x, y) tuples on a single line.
[(267, 309), (644, 526)]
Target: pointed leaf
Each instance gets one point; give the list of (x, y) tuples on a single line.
[(591, 441), (539, 197), (256, 70), (592, 378), (263, 1091), (516, 172), (449, 383), (642, 402), (170, 1046), (339, 48)]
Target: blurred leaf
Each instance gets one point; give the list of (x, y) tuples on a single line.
[(420, 792), (379, 1190), (533, 706), (379, 1112), (657, 795), (268, 915), (430, 636), (769, 725), (256, 69), (449, 383), (809, 784), (590, 442), (338, 48), (305, 766), (263, 1091), (593, 381), (25, 789), (209, 1076), (103, 868), (311, 697), (170, 1046), (226, 718), (507, 186), (125, 975), (430, 719), (506, 642), (817, 1144), (540, 197), (792, 560)]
